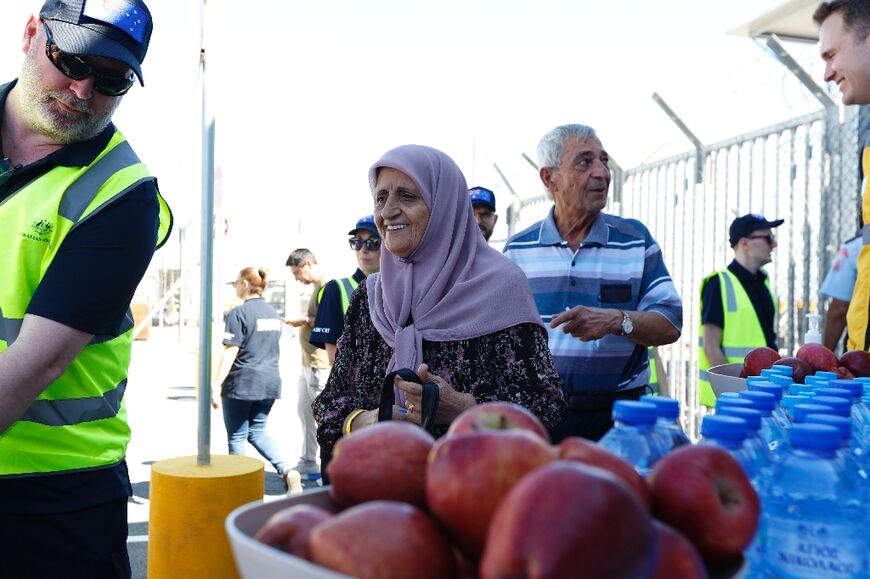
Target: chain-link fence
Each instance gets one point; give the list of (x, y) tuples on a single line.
[(804, 171)]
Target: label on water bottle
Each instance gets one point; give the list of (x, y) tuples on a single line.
[(813, 549)]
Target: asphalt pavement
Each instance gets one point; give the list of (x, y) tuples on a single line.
[(163, 413)]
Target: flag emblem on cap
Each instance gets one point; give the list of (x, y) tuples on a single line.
[(122, 14)]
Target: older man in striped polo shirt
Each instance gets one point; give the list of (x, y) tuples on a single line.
[(599, 281)]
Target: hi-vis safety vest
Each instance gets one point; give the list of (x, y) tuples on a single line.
[(859, 306), (653, 375), (346, 286), (741, 334), (79, 421)]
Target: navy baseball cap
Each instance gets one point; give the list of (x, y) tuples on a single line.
[(120, 29), (746, 224), (483, 196), (366, 223)]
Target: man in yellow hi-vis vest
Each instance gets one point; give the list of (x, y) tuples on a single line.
[(80, 218), (738, 308), (844, 44)]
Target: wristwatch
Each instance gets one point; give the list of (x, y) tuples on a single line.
[(627, 326)]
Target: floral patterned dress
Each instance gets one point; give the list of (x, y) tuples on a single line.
[(512, 365)]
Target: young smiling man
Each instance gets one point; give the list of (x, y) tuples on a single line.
[(738, 308), (844, 44), (75, 204)]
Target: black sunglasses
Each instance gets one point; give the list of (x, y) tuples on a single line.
[(75, 68), (770, 239), (372, 243)]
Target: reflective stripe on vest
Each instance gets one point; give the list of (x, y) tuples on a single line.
[(346, 286), (79, 421), (741, 334)]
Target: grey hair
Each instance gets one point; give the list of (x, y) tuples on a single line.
[(552, 145)]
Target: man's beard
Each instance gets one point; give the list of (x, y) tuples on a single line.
[(44, 115)]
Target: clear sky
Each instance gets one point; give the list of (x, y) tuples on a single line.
[(307, 95)]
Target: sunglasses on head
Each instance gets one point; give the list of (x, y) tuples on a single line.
[(770, 239), (372, 243), (77, 69)]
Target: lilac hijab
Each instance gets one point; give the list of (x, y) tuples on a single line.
[(454, 285)]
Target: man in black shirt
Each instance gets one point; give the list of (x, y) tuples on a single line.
[(80, 217), (737, 306)]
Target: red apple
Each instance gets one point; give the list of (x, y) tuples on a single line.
[(677, 557), (470, 473), (800, 368), (497, 416), (384, 461), (703, 492), (819, 357), (568, 519), (383, 539), (844, 374), (289, 529), (588, 452), (857, 362), (759, 359)]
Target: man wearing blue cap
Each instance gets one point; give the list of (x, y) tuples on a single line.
[(483, 205), (738, 308), (80, 218)]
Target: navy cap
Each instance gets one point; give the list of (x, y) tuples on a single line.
[(743, 226), (366, 223), (120, 30), (483, 196)]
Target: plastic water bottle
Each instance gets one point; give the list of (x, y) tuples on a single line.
[(854, 461), (783, 369), (759, 451), (782, 381), (776, 390), (729, 433), (633, 435), (771, 431), (800, 389), (825, 375), (813, 519), (668, 422), (860, 410)]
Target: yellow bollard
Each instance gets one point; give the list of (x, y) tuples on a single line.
[(189, 503)]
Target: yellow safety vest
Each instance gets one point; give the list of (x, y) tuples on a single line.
[(741, 334), (653, 375), (859, 306), (346, 286), (79, 421)]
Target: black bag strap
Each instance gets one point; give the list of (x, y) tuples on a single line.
[(388, 398)]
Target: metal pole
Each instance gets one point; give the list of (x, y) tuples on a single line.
[(699, 146), (206, 261)]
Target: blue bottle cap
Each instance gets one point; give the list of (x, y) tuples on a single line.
[(665, 407), (853, 386), (634, 412), (814, 379), (731, 395), (863, 379), (751, 379), (814, 437), (801, 389), (800, 411), (789, 401), (763, 401), (839, 406), (767, 387), (783, 369), (841, 423), (751, 416), (768, 372), (826, 375), (735, 401), (784, 381), (836, 392), (729, 427)]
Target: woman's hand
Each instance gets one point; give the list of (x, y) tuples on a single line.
[(215, 397), (450, 402)]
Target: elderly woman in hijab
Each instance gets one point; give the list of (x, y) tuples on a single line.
[(444, 304)]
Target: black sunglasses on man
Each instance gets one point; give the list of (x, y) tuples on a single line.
[(77, 69), (372, 243)]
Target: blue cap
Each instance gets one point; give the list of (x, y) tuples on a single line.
[(783, 369), (800, 411), (852, 386), (634, 412), (825, 375), (841, 423), (839, 406), (483, 196), (730, 427), (666, 407), (814, 436), (366, 223), (751, 416), (743, 226), (836, 392), (769, 387)]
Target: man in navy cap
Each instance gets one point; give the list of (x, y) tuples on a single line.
[(738, 308), (483, 205), (80, 218)]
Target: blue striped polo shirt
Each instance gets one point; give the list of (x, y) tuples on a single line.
[(619, 265)]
